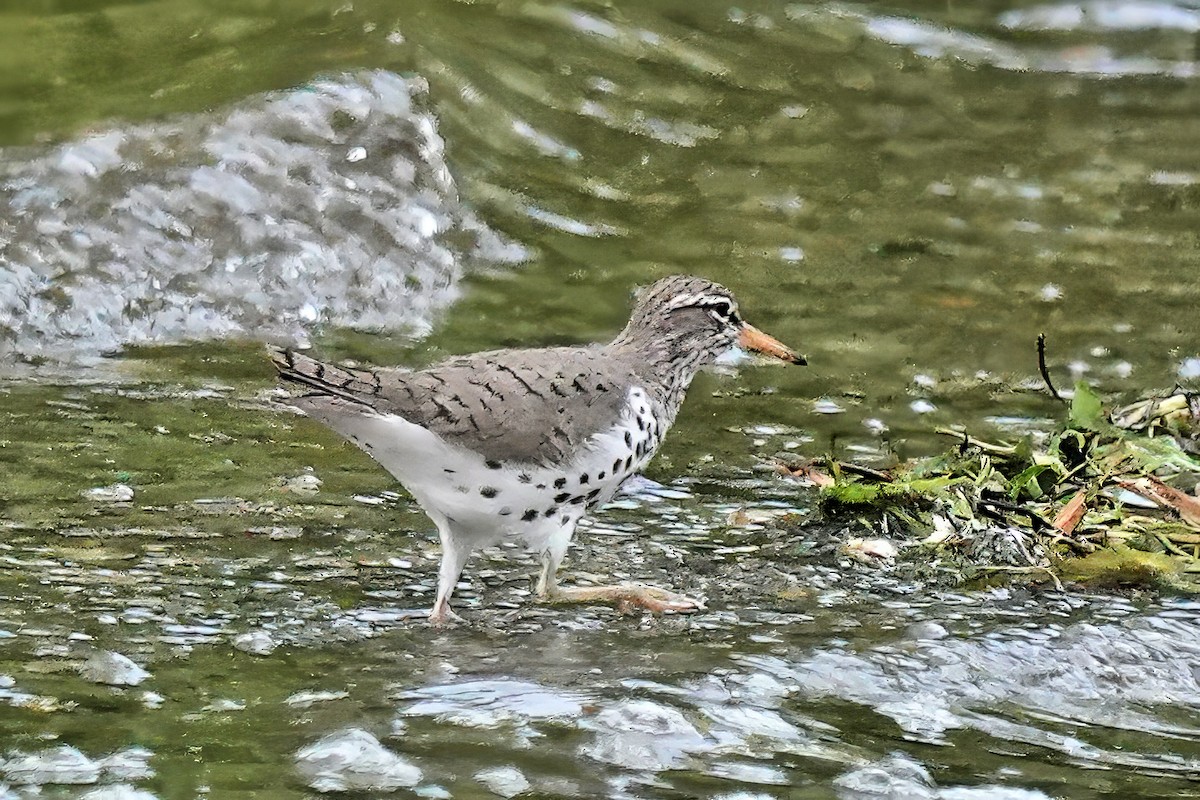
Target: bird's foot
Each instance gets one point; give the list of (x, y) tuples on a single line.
[(627, 597), (441, 616)]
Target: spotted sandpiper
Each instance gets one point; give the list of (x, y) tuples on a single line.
[(517, 445)]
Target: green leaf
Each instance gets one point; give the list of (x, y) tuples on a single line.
[(1086, 410), (852, 494), (961, 507), (1027, 480), (1161, 451), (931, 486)]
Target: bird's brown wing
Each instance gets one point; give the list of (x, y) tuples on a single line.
[(524, 406)]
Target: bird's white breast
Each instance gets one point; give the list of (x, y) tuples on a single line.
[(492, 501)]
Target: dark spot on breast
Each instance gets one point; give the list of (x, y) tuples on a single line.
[(562, 497), (577, 499), (641, 411), (505, 511), (593, 494), (560, 483), (583, 479), (600, 476), (549, 512), (492, 464), (462, 489), (628, 439), (523, 478), (628, 463), (565, 519), (541, 486), (617, 465), (600, 387), (447, 470), (641, 424), (529, 516), (489, 491)]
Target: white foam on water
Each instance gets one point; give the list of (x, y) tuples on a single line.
[(331, 203)]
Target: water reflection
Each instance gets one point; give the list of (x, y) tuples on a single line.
[(911, 194), (810, 670)]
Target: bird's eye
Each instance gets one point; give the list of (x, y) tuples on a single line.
[(724, 310)]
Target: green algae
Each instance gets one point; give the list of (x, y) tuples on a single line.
[(1042, 507), (1122, 567)]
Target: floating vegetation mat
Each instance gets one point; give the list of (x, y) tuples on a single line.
[(1108, 500)]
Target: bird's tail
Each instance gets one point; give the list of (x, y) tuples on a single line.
[(355, 385)]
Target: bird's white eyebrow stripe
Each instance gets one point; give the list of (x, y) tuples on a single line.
[(701, 299)]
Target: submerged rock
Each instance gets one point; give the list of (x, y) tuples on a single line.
[(900, 778), (503, 781), (153, 700), (304, 484), (432, 792), (118, 792), (897, 778), (128, 765), (113, 493), (351, 760), (63, 764), (990, 792), (927, 630), (113, 669), (492, 703), (306, 699), (256, 643), (68, 765), (641, 734)]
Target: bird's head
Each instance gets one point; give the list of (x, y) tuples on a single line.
[(697, 321)]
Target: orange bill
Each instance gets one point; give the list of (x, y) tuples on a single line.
[(751, 338)]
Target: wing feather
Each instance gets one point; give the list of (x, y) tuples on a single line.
[(526, 406)]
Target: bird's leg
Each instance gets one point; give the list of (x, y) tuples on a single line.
[(547, 586), (552, 556), (624, 597), (628, 596), (453, 558)]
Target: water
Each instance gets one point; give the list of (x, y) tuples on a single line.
[(908, 194)]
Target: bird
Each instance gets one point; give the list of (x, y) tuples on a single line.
[(519, 444)]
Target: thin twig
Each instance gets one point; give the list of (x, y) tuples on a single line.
[(865, 472), (971, 441), (1174, 548), (1057, 583), (1037, 520), (1041, 351), (1075, 544)]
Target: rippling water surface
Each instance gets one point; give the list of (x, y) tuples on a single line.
[(908, 193)]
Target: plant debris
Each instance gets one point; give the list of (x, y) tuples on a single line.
[(1108, 499)]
